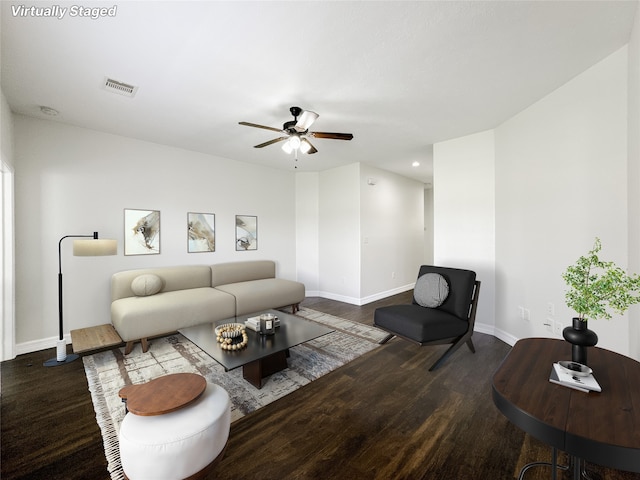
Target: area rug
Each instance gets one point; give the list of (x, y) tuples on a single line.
[(107, 372)]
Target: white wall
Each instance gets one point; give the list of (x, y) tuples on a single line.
[(371, 236), (7, 262), (428, 226), (561, 180), (392, 232), (464, 213), (73, 181), (339, 227), (559, 171), (634, 175), (307, 231)]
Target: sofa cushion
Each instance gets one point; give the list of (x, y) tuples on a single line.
[(145, 285), (256, 295), (166, 312), (173, 278), (431, 290), (234, 272)]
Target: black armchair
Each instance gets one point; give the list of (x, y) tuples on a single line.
[(452, 298)]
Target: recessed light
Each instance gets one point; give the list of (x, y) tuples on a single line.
[(415, 164), (52, 112)]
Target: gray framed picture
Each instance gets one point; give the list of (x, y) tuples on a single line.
[(246, 232), (141, 232), (201, 232)]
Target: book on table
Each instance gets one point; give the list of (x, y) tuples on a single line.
[(562, 376)]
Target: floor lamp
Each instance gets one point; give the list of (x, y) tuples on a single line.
[(81, 248)]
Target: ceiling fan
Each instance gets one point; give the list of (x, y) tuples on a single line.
[(297, 130)]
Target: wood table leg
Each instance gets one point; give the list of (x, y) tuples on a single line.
[(254, 372)]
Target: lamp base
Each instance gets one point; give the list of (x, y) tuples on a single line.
[(61, 355), (53, 362)]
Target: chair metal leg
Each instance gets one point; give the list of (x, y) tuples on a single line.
[(386, 339), (448, 353), (470, 345)]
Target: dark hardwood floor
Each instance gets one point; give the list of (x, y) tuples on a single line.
[(382, 416)]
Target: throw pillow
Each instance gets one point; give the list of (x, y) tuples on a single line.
[(145, 285), (431, 290)]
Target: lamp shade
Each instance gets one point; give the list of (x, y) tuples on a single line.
[(286, 147), (306, 120), (305, 146), (95, 247), (294, 142)]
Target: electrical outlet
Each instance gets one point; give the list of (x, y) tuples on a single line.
[(557, 329), (521, 313), (551, 310), (527, 315)]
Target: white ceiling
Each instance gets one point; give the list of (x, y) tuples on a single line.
[(398, 75)]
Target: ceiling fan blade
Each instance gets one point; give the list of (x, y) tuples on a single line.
[(335, 136), (270, 142), (305, 121), (306, 144), (260, 126)]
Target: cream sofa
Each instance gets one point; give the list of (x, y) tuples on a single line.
[(156, 301)]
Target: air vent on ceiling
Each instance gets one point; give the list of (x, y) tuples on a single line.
[(120, 88)]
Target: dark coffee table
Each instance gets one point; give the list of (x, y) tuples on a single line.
[(264, 355)]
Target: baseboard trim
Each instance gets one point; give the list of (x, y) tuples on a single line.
[(388, 293), (505, 336), (362, 300), (37, 345), (496, 332), (339, 298)]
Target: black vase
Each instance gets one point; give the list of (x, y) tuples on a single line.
[(580, 337)]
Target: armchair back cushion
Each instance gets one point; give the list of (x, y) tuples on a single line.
[(461, 285)]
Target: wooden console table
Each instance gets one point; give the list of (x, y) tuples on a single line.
[(603, 428), (94, 338)]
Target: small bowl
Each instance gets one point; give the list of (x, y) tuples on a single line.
[(575, 368), (238, 329)]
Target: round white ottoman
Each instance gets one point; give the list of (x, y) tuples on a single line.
[(179, 444)]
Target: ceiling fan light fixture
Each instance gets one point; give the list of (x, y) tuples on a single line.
[(294, 142), (305, 146), (286, 147), (296, 131), (306, 120)]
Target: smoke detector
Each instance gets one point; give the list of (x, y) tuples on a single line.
[(121, 88)]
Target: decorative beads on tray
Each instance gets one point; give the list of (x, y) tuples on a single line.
[(227, 336)]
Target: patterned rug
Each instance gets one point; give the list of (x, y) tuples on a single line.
[(107, 372)]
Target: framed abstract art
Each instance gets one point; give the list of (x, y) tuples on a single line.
[(141, 232), (246, 232), (201, 232)]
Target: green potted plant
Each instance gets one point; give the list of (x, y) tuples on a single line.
[(596, 288)]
